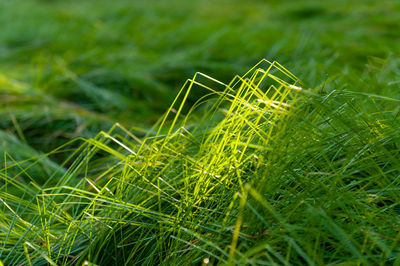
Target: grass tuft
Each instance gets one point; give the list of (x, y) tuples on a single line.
[(257, 171)]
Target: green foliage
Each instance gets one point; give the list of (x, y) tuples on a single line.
[(72, 68), (262, 172)]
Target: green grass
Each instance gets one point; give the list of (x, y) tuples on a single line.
[(71, 69), (260, 172), (263, 169)]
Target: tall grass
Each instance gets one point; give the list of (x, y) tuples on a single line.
[(70, 69), (257, 171)]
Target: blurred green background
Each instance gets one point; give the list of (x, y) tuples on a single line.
[(72, 68)]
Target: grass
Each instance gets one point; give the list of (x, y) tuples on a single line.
[(262, 169), (262, 172), (71, 69)]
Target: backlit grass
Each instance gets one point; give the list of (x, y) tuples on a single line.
[(97, 166), (258, 171)]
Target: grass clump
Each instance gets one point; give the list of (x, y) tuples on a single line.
[(257, 171)]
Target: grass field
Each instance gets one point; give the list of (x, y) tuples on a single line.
[(109, 157)]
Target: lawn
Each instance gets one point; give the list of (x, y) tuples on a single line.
[(166, 132)]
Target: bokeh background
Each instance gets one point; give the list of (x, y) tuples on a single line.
[(69, 69)]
